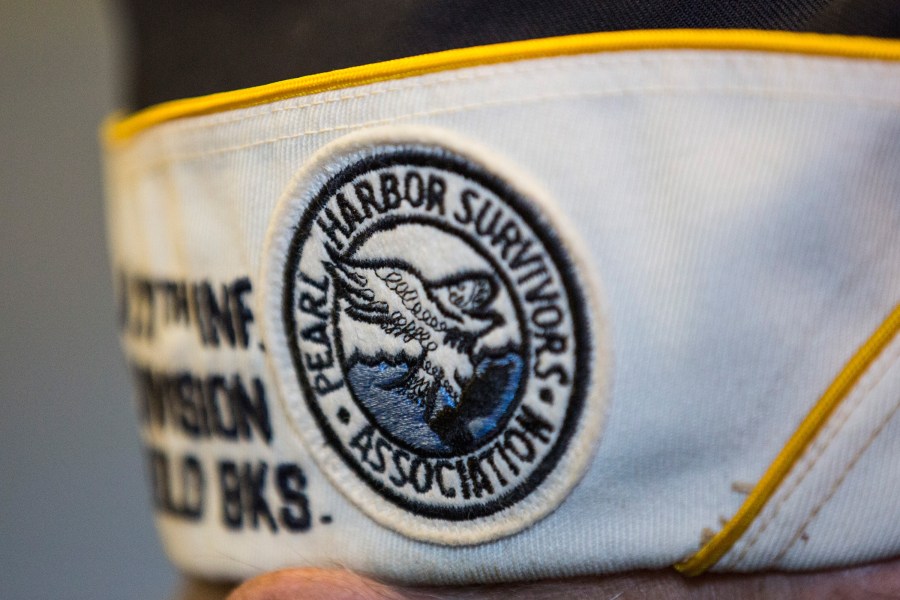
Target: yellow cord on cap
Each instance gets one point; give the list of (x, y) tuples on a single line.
[(722, 542), (118, 129)]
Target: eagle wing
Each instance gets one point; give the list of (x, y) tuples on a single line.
[(354, 285), (394, 296)]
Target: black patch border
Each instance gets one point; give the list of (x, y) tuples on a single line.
[(441, 158)]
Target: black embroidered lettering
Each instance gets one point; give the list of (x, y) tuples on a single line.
[(230, 492), (437, 187), (380, 464), (324, 386), (390, 194), (519, 445), (294, 514), (218, 398), (197, 315), (331, 226), (545, 373), (241, 314), (402, 477), (538, 293), (463, 479), (366, 195), (178, 490), (539, 270), (216, 315), (254, 484), (362, 442), (322, 285), (482, 226), (313, 306), (319, 360), (488, 456), (552, 342), (192, 414), (534, 424), (348, 212), (523, 259), (203, 406), (420, 475), (481, 483), (252, 410), (413, 189), (514, 469), (547, 316), (508, 236), (316, 333), (466, 198), (439, 468)]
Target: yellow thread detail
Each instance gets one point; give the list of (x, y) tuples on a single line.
[(119, 128), (721, 543)]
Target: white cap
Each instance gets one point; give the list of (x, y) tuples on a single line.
[(549, 308)]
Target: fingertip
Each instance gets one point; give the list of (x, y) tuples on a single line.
[(313, 584)]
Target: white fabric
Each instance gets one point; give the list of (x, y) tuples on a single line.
[(742, 212), (841, 499)]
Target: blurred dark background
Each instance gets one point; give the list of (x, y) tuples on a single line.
[(75, 517)]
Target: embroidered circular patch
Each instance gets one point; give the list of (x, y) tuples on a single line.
[(433, 335)]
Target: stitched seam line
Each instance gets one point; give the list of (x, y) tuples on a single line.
[(816, 451), (839, 482), (473, 74), (485, 72), (764, 92), (834, 395)]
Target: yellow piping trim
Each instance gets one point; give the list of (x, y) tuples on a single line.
[(719, 545), (118, 129)]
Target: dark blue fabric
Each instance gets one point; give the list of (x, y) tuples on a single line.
[(182, 49)]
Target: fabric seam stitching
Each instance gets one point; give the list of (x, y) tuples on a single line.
[(839, 482), (763, 92), (816, 451)]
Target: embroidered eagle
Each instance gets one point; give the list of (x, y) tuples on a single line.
[(444, 322)]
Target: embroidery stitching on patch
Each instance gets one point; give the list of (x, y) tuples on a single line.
[(436, 344)]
